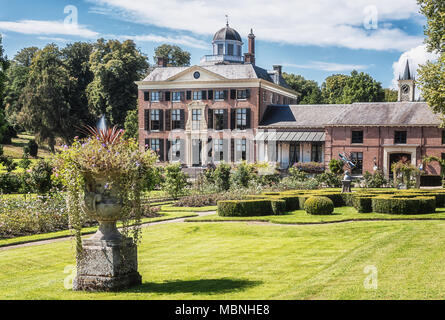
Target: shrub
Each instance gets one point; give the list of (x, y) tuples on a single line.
[(210, 199), (376, 180), (24, 163), (309, 167), (289, 183), (319, 205), (10, 183), (153, 178), (31, 148), (175, 180), (329, 180), (336, 166), (407, 204), (244, 208), (297, 174), (278, 206), (242, 175), (40, 177), (362, 204), (221, 176)]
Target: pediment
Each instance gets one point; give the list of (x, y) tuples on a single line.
[(188, 75)]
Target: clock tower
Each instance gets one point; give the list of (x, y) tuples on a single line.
[(406, 85)]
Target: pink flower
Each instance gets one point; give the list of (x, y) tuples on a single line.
[(29, 170)]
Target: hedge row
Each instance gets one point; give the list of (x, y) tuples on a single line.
[(245, 208)]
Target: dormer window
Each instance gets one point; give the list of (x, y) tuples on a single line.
[(220, 49)]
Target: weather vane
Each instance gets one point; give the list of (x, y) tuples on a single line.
[(227, 20)]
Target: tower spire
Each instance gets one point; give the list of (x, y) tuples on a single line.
[(227, 20), (406, 73)]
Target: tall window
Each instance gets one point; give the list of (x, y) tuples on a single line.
[(176, 96), (241, 94), (241, 119), (238, 51), (294, 153), (230, 49), (155, 145), (316, 152), (155, 124), (357, 137), (176, 119), (241, 148), (264, 96), (176, 149), (219, 95), (399, 137), (196, 119), (220, 49), (218, 145), (357, 159), (219, 119), (197, 95), (155, 96)]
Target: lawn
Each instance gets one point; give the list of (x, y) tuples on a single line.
[(250, 261), (340, 214)]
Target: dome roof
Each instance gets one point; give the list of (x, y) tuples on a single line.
[(227, 33)]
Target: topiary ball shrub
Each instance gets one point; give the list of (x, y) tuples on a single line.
[(319, 205)]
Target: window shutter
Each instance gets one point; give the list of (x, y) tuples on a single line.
[(247, 93), (146, 96), (232, 118), (226, 150), (168, 120), (161, 95), (146, 119), (210, 94), (182, 95), (182, 150), (167, 150), (210, 150), (232, 94), (161, 120), (182, 122), (226, 119), (161, 149), (188, 95), (204, 95), (167, 95), (232, 150), (226, 94), (210, 119), (248, 121)]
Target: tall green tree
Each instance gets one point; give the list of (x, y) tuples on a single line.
[(431, 76), (332, 88), (310, 92), (175, 56), (361, 87), (391, 95), (76, 57), (131, 124), (3, 68), (45, 98), (17, 77), (116, 66)]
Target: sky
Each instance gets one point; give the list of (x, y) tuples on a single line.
[(313, 38)]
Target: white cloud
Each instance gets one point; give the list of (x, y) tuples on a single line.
[(180, 40), (327, 66), (316, 22), (416, 56), (41, 27)]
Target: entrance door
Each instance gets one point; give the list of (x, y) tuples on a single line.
[(396, 157), (196, 152)]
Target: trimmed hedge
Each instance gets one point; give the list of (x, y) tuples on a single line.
[(362, 204), (319, 205), (410, 204), (278, 206), (245, 208)]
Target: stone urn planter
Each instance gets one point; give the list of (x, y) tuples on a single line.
[(108, 260)]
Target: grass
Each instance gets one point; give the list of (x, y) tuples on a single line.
[(15, 149), (64, 233), (340, 214), (246, 261)]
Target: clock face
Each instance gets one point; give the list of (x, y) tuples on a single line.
[(196, 75), (405, 88)]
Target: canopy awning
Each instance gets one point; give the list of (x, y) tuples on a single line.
[(296, 136)]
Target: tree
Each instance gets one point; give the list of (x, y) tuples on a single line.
[(115, 66), (175, 180), (309, 90), (45, 98), (131, 124), (431, 77), (3, 67), (391, 95), (17, 77), (332, 88), (357, 87), (76, 58), (175, 56)]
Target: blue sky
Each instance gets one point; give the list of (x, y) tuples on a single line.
[(314, 38)]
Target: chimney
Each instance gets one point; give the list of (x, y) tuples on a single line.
[(278, 69), (249, 57), (162, 62)]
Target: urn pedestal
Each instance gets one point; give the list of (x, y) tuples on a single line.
[(107, 265), (108, 260)]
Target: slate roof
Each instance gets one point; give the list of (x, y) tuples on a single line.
[(229, 71), (300, 116), (227, 33), (356, 114)]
